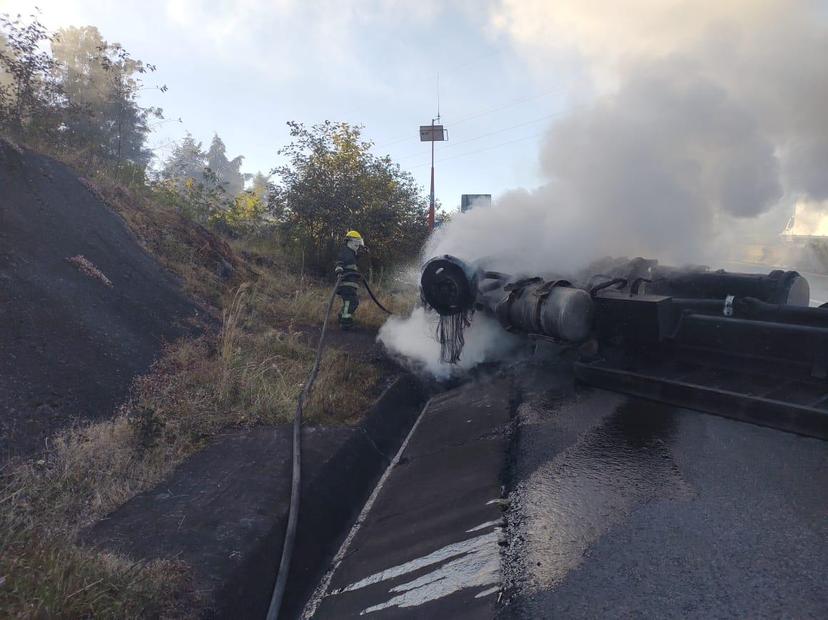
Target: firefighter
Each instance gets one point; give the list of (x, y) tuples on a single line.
[(346, 266)]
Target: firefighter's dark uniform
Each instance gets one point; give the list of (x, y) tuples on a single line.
[(348, 286)]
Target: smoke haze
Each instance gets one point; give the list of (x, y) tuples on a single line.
[(706, 125), (413, 338)]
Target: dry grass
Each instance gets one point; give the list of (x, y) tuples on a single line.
[(304, 301), (397, 301), (44, 503), (251, 373), (51, 578), (248, 374), (207, 266), (86, 266)]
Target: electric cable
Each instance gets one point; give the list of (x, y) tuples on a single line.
[(475, 115), (500, 108), (483, 135), (481, 150), (293, 514)]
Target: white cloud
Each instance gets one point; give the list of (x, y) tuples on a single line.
[(289, 38), (277, 40)]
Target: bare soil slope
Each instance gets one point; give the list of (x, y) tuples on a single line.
[(83, 308)]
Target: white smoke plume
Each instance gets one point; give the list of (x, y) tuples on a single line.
[(705, 82), (413, 338), (707, 125)]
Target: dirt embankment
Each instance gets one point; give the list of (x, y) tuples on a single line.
[(83, 307)]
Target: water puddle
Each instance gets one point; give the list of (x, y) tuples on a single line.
[(568, 503)]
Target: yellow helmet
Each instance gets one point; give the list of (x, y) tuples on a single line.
[(352, 234)]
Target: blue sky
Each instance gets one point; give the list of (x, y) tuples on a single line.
[(243, 69)]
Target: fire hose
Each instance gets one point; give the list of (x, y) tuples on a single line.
[(293, 514)]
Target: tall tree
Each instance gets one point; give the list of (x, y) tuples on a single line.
[(227, 171), (191, 186), (186, 163), (103, 82), (332, 182), (126, 120), (29, 96), (82, 96), (270, 194), (260, 185), (78, 53)]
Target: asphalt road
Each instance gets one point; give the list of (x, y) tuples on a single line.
[(627, 508), (618, 507)]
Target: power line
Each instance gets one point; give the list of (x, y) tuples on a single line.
[(473, 60), (162, 145), (488, 148), (484, 135), (475, 115), (504, 107), (397, 141)]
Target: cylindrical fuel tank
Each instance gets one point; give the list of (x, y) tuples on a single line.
[(776, 287), (559, 311), (532, 306)]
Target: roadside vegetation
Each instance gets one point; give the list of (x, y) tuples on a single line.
[(249, 373), (254, 251), (247, 368)]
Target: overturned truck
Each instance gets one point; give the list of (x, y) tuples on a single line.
[(740, 345)]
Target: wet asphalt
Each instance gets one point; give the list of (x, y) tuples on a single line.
[(623, 507)]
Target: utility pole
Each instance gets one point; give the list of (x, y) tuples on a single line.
[(433, 133), (431, 193)]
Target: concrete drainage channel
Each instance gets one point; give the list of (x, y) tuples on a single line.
[(335, 497), (224, 510), (428, 543)]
